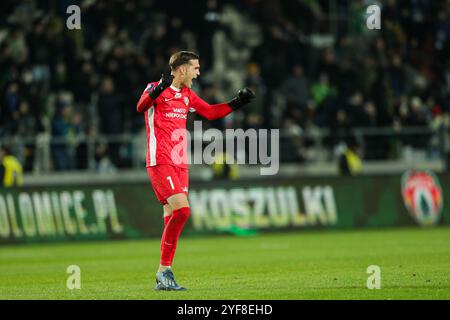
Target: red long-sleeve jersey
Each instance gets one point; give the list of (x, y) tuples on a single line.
[(165, 121)]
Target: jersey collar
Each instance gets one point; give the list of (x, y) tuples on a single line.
[(175, 88)]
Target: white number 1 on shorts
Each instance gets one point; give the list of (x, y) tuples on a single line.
[(171, 183)]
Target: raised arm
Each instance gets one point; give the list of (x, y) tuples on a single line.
[(152, 92), (145, 102), (220, 110)]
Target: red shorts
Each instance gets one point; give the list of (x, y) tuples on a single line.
[(168, 180)]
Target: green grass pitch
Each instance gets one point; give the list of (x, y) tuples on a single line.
[(414, 262)]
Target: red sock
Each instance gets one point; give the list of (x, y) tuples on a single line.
[(171, 234), (166, 220)]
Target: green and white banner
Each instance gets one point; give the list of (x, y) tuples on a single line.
[(132, 211)]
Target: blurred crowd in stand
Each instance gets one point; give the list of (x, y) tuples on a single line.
[(313, 65)]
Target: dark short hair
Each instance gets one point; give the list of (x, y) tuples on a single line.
[(180, 58)]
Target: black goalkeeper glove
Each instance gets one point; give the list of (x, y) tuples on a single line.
[(244, 96), (166, 81)]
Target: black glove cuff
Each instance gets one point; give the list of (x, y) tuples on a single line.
[(236, 104), (156, 91)]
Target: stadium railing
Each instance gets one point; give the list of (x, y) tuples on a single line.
[(315, 147)]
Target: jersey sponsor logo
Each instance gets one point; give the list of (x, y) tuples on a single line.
[(180, 113), (422, 195), (175, 115)]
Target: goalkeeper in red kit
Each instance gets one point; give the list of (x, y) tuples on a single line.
[(165, 105)]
